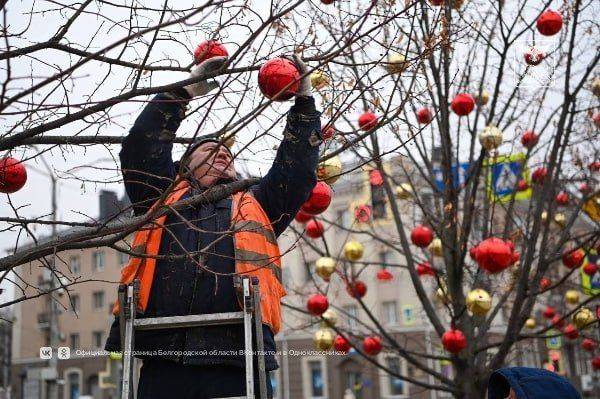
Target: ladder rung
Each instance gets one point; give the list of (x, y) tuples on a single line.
[(213, 319)]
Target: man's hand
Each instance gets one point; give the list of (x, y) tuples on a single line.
[(304, 90), (205, 86)]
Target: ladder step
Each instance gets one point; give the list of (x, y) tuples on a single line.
[(197, 320)]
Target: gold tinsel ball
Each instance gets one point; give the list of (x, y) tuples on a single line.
[(323, 339), (490, 138), (330, 318), (530, 323), (560, 219), (596, 87), (483, 98), (396, 63), (544, 216), (325, 267), (572, 297), (436, 247), (353, 250), (479, 302), (404, 191), (441, 294), (329, 170), (319, 80), (582, 318)]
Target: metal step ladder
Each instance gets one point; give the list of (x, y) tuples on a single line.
[(250, 299)]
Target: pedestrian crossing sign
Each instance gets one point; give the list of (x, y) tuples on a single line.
[(504, 174)]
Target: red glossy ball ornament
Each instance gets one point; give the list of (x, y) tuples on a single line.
[(494, 255), (573, 258), (436, 3), (302, 217), (533, 56), (473, 253), (362, 213), (424, 116), (545, 283), (539, 175), (384, 275), (549, 23), (13, 175), (327, 132), (421, 236), (584, 188), (279, 79), (522, 185), (375, 178), (571, 332), (529, 139), (425, 269), (594, 166), (590, 269), (341, 344), (315, 229), (596, 119), (372, 345), (589, 345), (596, 363), (562, 198), (327, 2), (319, 199), (549, 312), (558, 321), (367, 121), (454, 341), (209, 49), (317, 304), (357, 289), (462, 104)]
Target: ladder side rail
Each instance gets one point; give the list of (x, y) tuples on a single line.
[(128, 344), (248, 308), (260, 345)]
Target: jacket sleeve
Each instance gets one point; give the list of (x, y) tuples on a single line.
[(145, 155), (292, 176)]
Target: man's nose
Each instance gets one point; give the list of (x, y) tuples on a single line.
[(223, 153)]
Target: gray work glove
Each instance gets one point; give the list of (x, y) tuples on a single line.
[(205, 86), (304, 90)]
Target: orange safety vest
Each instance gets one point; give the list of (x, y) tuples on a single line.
[(256, 254)]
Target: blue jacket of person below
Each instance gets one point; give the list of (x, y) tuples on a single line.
[(530, 383)]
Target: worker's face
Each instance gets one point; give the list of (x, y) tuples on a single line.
[(209, 163)]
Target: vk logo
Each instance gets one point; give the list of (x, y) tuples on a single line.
[(45, 352)]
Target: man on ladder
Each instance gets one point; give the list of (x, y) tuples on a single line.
[(188, 259)]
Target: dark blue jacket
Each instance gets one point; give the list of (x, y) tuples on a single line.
[(179, 286), (530, 383)]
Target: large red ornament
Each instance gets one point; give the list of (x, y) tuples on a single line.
[(372, 345), (279, 79), (421, 236), (558, 321), (436, 2), (314, 229), (596, 119), (573, 258), (424, 116), (494, 255), (545, 283), (384, 275), (584, 188), (341, 344), (549, 23), (302, 217), (571, 332), (375, 178), (327, 132), (562, 198), (596, 363), (539, 175), (522, 185), (319, 199), (463, 104), (590, 268), (594, 166), (13, 175), (425, 269), (529, 139), (589, 344), (327, 2), (549, 312), (317, 304), (357, 289), (367, 121), (533, 56), (209, 49), (362, 213), (454, 341)]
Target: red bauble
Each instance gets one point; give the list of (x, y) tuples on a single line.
[(549, 312), (594, 166), (533, 56), (573, 258), (302, 217), (596, 363), (549, 23), (454, 341), (357, 289), (209, 49), (562, 198), (421, 236), (494, 255), (436, 2), (539, 175), (589, 345), (425, 269), (558, 321), (372, 345), (590, 268), (317, 304), (13, 175), (584, 188), (462, 104), (375, 178), (341, 344), (314, 229), (319, 199), (327, 2), (327, 132), (384, 275), (279, 79), (596, 119), (473, 253), (424, 116), (367, 121), (529, 139), (522, 185), (571, 332), (545, 283), (362, 213)]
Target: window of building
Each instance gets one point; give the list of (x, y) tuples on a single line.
[(390, 312), (97, 339), (98, 300), (123, 258), (75, 303), (392, 386), (351, 316), (343, 217), (316, 379), (98, 261), (354, 382), (74, 341), (378, 197), (408, 315), (74, 388), (75, 264)]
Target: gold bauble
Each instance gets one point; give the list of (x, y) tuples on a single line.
[(318, 80), (582, 318), (441, 294), (329, 170), (560, 219), (482, 98), (544, 216), (330, 318), (230, 141), (490, 138), (572, 297), (436, 247), (479, 302), (530, 323), (323, 339), (353, 250), (325, 267), (404, 191), (596, 87), (396, 63)]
